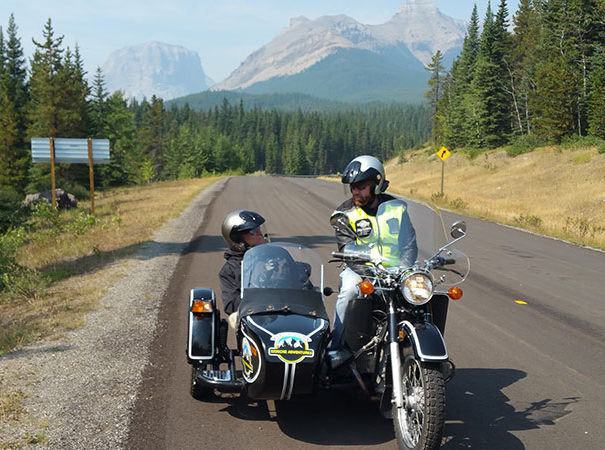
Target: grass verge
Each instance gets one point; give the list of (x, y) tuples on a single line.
[(554, 191), (70, 257)]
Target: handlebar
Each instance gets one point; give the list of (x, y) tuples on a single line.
[(440, 261), (341, 256)]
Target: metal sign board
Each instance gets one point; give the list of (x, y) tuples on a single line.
[(443, 153), (70, 150)]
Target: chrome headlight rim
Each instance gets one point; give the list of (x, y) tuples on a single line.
[(417, 287)]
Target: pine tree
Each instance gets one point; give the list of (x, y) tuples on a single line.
[(492, 114), (596, 95), (523, 61), (554, 100), (152, 134), (13, 96), (458, 102), (2, 53), (98, 106), (9, 177), (435, 92), (15, 84), (122, 134), (43, 111)]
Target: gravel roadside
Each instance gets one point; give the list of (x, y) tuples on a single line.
[(80, 389)]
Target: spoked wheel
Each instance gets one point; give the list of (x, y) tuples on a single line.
[(419, 422), (198, 391)]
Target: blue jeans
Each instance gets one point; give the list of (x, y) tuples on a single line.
[(348, 289)]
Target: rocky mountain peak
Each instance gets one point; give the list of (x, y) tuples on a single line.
[(418, 6), (423, 29), (155, 68)]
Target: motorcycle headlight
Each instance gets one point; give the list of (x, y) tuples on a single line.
[(417, 288)]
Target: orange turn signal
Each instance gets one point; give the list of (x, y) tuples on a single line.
[(366, 287), (455, 293), (201, 306)]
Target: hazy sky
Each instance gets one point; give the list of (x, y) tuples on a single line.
[(223, 32)]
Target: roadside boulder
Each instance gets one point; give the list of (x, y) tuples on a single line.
[(65, 200)]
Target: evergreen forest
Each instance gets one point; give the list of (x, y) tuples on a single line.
[(539, 79)]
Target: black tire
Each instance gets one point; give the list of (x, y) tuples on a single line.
[(419, 423), (198, 391)]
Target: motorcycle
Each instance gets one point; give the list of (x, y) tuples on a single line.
[(396, 352)]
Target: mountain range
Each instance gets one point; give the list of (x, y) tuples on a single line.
[(331, 57)]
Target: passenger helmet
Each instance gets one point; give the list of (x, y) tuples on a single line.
[(366, 168), (238, 222)]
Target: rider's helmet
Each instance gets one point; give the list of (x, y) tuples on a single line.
[(237, 223), (366, 168)]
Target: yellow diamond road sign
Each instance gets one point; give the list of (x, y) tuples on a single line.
[(443, 153)]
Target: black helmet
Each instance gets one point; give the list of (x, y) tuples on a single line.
[(238, 222), (366, 168)]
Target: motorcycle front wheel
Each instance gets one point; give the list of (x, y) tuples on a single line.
[(419, 422)]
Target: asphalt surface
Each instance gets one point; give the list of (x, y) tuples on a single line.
[(527, 338)]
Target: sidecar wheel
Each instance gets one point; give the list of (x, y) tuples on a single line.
[(419, 422), (198, 391)]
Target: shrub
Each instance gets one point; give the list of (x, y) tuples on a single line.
[(601, 148), (458, 203), (581, 159), (580, 226), (10, 270), (438, 196), (575, 141), (524, 144), (83, 222), (472, 153), (528, 220), (79, 191), (11, 213), (43, 216)]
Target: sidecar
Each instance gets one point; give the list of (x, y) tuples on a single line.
[(282, 330)]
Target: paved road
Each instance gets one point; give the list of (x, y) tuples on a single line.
[(529, 375)]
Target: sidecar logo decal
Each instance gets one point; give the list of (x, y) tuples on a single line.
[(251, 360), (291, 348), (307, 337), (363, 227)]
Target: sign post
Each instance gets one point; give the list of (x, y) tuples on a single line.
[(91, 177), (68, 150), (53, 194), (443, 154)]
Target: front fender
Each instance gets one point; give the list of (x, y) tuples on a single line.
[(426, 340), (202, 330)]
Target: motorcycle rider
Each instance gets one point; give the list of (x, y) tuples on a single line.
[(366, 177), (241, 231)]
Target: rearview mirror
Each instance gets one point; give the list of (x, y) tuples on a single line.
[(458, 229), (340, 223)]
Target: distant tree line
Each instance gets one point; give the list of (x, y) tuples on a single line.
[(51, 97), (542, 80)]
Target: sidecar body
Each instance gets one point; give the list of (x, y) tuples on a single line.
[(282, 330)]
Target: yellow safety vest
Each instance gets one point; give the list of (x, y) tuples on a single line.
[(382, 229)]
